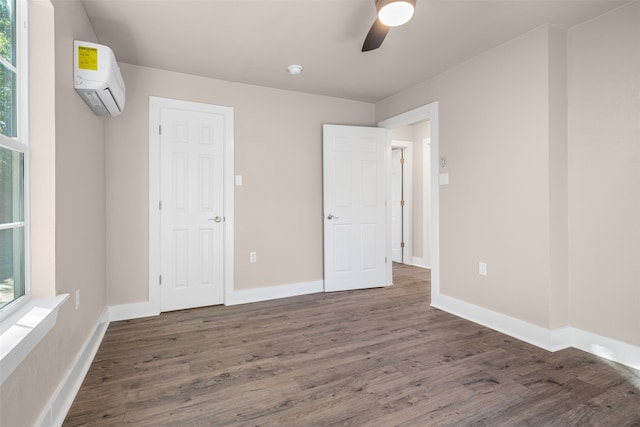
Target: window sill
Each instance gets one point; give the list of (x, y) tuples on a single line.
[(24, 329)]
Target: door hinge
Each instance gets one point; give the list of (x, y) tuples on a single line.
[(159, 205), (402, 160), (402, 244), (385, 260), (159, 129), (401, 202), (160, 279)]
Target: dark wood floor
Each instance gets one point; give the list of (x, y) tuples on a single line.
[(379, 357)]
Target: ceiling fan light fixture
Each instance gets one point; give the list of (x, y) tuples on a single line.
[(393, 13)]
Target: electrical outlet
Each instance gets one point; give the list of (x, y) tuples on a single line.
[(482, 268), (252, 257), (77, 299)]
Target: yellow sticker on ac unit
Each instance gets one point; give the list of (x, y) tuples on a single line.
[(87, 58)]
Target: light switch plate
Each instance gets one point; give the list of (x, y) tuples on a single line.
[(482, 268)]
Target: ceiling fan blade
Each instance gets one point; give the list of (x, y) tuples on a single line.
[(375, 37)]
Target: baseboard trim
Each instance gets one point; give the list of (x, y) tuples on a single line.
[(132, 311), (60, 403), (607, 348), (246, 296), (420, 262), (548, 339), (146, 308), (524, 331)]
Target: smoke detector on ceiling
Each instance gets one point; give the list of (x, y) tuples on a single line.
[(294, 70)]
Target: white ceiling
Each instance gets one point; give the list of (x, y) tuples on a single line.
[(253, 41)]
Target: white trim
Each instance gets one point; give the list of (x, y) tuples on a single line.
[(264, 294), (155, 105), (607, 348), (426, 201), (10, 225), (24, 328), (13, 144), (133, 311), (22, 48), (410, 117), (420, 262), (7, 64), (154, 213), (9, 309), (435, 200), (426, 112), (22, 20), (548, 339), (388, 195), (21, 145), (59, 404), (524, 331), (229, 200)]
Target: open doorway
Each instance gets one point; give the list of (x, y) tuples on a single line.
[(401, 201), (411, 189), (419, 127)]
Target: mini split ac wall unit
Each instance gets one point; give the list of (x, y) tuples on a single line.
[(97, 78)]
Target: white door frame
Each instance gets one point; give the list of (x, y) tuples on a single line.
[(426, 203), (155, 105), (407, 212), (426, 112)]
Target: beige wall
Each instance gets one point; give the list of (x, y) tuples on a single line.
[(494, 131), (512, 201), (403, 133), (74, 178), (558, 176), (42, 153), (542, 139), (278, 151), (604, 174)]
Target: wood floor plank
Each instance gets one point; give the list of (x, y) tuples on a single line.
[(374, 357)]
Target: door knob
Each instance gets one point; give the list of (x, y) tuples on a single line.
[(332, 217), (216, 219)]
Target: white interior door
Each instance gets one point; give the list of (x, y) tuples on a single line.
[(355, 232), (396, 205), (191, 216)]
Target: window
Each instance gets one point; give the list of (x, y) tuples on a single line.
[(13, 159)]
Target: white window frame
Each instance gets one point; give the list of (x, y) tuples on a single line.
[(21, 142), (26, 321)]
